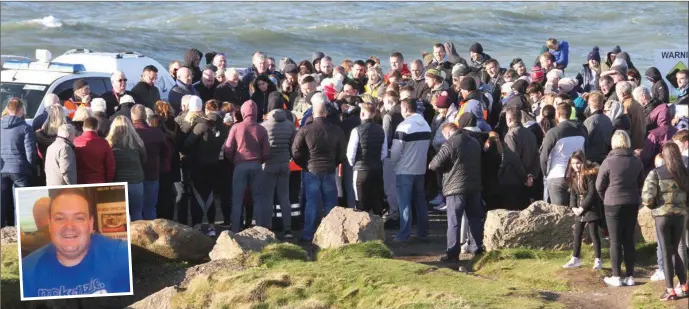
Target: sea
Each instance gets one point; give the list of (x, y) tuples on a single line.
[(353, 30)]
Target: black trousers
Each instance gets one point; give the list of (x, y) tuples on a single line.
[(223, 188), (671, 229), (166, 197), (203, 184), (592, 227), (183, 197), (621, 221), (368, 191)]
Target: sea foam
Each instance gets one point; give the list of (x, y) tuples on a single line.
[(47, 21)]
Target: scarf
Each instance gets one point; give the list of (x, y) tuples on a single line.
[(682, 92)]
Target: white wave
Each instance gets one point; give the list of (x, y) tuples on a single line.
[(47, 21)]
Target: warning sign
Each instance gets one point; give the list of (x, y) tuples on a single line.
[(666, 60)]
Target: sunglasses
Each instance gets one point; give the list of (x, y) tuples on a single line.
[(122, 80)]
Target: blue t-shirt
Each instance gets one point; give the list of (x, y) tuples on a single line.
[(104, 269)]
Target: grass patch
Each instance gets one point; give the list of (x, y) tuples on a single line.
[(538, 269), (9, 275), (371, 249), (646, 297), (274, 254), (367, 280)]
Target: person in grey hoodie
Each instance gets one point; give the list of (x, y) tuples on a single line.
[(275, 174), (60, 160), (408, 158)]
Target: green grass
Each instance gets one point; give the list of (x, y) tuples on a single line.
[(646, 297), (9, 275), (276, 253), (368, 279)]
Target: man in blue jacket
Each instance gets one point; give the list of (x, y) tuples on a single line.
[(17, 157), (559, 50)]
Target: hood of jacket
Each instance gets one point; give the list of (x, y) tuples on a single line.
[(249, 110), (625, 56), (275, 101), (9, 122), (192, 58), (279, 115), (615, 50), (452, 55), (653, 74)]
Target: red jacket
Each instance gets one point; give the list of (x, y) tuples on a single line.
[(406, 74), (95, 160), (248, 140)]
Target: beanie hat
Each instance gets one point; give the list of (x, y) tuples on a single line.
[(567, 84), (476, 48), (98, 105), (316, 56), (79, 83), (126, 99), (291, 68), (51, 99), (195, 104), (520, 86), (616, 50), (466, 120), (433, 73), (442, 101), (468, 84), (594, 54), (537, 73), (460, 70), (554, 73)]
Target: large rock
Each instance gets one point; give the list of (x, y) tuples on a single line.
[(168, 240), (647, 225), (344, 226), (8, 235), (159, 300), (230, 245), (541, 226)]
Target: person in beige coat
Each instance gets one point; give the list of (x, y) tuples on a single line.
[(60, 160)]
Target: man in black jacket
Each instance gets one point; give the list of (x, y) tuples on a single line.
[(183, 86), (460, 161), (418, 80), (319, 148), (112, 98), (206, 87), (599, 128), (365, 152), (233, 90), (145, 92), (523, 143)]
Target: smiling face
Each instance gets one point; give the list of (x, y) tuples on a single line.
[(576, 165), (439, 53), (71, 225)]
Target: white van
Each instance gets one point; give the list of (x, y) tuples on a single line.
[(131, 63)]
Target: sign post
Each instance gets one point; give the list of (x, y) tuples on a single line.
[(667, 60)]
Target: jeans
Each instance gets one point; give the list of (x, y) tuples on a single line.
[(245, 175), (368, 192), (557, 189), (165, 207), (457, 206), (275, 176), (150, 199), (592, 227), (9, 181), (411, 193), (621, 221), (671, 231), (135, 194), (321, 197), (390, 187)]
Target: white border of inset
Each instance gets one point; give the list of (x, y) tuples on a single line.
[(129, 241)]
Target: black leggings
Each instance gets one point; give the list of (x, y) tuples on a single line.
[(621, 221), (203, 181), (593, 233), (671, 230), (166, 197)]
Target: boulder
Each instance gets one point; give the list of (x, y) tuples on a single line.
[(158, 239), (540, 226), (8, 235), (647, 225), (344, 226), (230, 245), (158, 300)]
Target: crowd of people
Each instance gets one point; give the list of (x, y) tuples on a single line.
[(464, 135)]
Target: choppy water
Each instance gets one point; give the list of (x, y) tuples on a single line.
[(355, 30)]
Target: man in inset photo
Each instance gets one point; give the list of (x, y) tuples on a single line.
[(77, 262)]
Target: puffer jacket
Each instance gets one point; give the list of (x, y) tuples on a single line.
[(663, 194), (658, 136), (588, 78), (18, 146), (61, 163), (203, 144), (281, 134), (459, 159), (377, 91), (589, 199), (659, 91)]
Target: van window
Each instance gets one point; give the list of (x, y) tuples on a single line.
[(97, 86), (30, 94)]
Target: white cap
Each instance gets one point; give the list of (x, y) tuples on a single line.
[(98, 105), (195, 104), (50, 100), (126, 99)]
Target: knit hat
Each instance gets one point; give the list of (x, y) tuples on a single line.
[(567, 84), (616, 50), (520, 86), (594, 54), (291, 68), (195, 104), (317, 55), (460, 70), (476, 48), (51, 99), (615, 69), (126, 99), (468, 84), (466, 120), (554, 73), (79, 83), (433, 73), (98, 105), (536, 73), (442, 101)]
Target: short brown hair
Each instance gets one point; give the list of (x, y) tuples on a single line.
[(451, 126), (597, 97), (564, 110), (548, 56), (397, 55), (368, 107), (15, 104), (91, 123), (681, 136), (551, 43)]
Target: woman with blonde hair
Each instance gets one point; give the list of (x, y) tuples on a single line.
[(376, 85), (130, 157), (80, 115), (47, 134), (619, 182)]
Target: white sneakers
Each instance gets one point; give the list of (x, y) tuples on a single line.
[(597, 264), (617, 282), (437, 200), (469, 248), (573, 263), (659, 275)]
